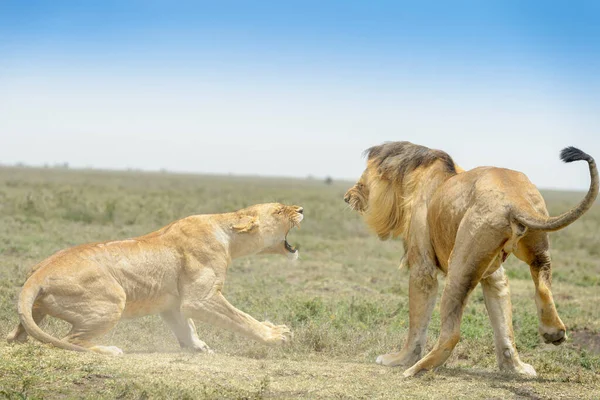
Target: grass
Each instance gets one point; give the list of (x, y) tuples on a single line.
[(345, 300)]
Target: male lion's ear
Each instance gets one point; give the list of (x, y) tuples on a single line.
[(246, 224)]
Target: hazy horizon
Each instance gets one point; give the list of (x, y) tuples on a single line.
[(164, 171), (275, 89)]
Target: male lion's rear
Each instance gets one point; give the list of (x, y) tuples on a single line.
[(463, 224)]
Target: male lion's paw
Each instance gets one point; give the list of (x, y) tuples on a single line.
[(525, 369), (278, 334), (555, 338), (412, 371), (402, 358), (513, 365), (388, 360)]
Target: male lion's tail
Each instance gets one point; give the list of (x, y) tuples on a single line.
[(568, 154), (29, 294)]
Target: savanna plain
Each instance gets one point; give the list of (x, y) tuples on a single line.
[(345, 300)]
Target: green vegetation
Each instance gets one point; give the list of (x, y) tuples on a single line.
[(345, 300)]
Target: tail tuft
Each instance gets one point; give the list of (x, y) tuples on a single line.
[(570, 154)]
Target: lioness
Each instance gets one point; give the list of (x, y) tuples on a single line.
[(464, 224), (177, 271)]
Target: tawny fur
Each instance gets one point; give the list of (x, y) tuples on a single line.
[(464, 224), (177, 271)]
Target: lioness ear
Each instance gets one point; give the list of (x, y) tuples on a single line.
[(246, 224)]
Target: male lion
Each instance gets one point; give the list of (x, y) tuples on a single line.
[(177, 271), (464, 224)]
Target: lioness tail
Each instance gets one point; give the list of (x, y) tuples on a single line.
[(568, 154), (29, 294)]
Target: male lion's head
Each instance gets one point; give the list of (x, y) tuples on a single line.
[(387, 188), (267, 227), (357, 196)]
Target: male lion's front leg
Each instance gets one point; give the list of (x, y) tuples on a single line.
[(496, 294), (216, 310), (422, 289)]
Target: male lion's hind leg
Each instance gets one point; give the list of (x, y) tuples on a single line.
[(454, 297), (533, 249), (422, 289), (216, 310), (467, 265), (496, 294), (19, 334), (185, 331), (552, 328)]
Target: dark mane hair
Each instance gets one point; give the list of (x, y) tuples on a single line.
[(396, 159)]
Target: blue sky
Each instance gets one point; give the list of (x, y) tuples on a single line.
[(299, 88)]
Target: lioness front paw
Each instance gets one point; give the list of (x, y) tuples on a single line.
[(277, 334), (202, 348)]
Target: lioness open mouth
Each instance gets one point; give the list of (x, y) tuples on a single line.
[(288, 246), (295, 220)]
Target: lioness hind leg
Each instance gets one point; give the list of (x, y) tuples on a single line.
[(423, 286), (83, 334), (496, 294), (19, 334), (184, 330), (92, 319)]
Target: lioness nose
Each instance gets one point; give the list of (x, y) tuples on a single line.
[(347, 199), (301, 210)]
